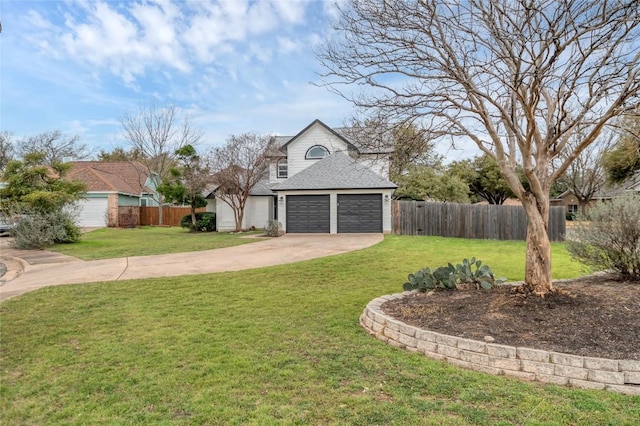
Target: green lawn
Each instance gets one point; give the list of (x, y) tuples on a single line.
[(108, 243), (272, 346)]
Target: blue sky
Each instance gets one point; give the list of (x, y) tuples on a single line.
[(234, 66)]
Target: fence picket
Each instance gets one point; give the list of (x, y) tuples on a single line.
[(469, 220)]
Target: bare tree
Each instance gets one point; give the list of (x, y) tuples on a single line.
[(406, 144), (6, 150), (519, 78), (54, 147), (586, 174), (157, 133), (238, 167)]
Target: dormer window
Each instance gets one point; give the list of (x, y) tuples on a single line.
[(316, 152), (283, 168)]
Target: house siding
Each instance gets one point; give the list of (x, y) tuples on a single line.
[(128, 200), (316, 135), (377, 163), (257, 211)]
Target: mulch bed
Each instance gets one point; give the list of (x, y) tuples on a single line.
[(594, 316)]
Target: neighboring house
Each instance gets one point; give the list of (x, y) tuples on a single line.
[(112, 184), (320, 181), (569, 200)]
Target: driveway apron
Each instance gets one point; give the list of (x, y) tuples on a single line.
[(273, 251)]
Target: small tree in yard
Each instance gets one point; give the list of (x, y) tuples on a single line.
[(40, 194), (154, 135), (611, 238), (188, 181), (519, 78), (238, 167)]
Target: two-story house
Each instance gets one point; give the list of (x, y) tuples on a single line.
[(320, 181)]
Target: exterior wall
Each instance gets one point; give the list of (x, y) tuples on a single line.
[(151, 200), (257, 211), (273, 171), (113, 215), (128, 200), (378, 163), (211, 205), (316, 135), (566, 201), (333, 207)]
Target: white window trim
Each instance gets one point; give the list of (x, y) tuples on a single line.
[(282, 162), (308, 157)]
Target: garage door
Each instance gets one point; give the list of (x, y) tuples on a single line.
[(360, 213), (93, 212), (308, 213)]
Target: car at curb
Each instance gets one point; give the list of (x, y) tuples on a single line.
[(6, 225)]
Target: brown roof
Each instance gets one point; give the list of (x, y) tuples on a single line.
[(126, 177)]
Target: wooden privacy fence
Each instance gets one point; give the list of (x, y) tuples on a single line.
[(170, 215), (469, 220)]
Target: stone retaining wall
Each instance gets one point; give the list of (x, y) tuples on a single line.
[(531, 364)]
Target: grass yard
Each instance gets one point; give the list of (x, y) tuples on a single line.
[(272, 346), (108, 243)]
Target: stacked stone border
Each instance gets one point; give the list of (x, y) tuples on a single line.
[(621, 376)]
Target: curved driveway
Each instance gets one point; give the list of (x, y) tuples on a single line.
[(274, 251)]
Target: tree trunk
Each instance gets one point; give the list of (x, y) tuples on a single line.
[(239, 215), (193, 217), (160, 212), (583, 207), (538, 260)]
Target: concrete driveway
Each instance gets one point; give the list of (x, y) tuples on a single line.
[(48, 269)]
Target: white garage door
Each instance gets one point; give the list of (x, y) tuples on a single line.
[(93, 212)]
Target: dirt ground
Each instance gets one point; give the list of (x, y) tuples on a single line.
[(593, 316)]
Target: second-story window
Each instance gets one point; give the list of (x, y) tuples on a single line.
[(283, 168), (316, 152)]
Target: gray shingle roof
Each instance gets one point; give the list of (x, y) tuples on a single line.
[(262, 188), (337, 171)]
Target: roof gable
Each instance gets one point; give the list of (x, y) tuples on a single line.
[(337, 171), (317, 122), (365, 140)]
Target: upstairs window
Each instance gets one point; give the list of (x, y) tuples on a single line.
[(283, 168), (316, 152)]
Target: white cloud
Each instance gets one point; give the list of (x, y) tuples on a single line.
[(290, 11), (286, 45), (131, 39), (332, 8)]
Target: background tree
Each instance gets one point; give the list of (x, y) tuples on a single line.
[(238, 167), (519, 78), (157, 133), (188, 181), (6, 149), (43, 197), (586, 175), (408, 144), (431, 184), (54, 147), (623, 161), (120, 154), (483, 177)]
